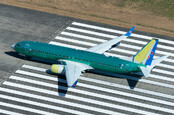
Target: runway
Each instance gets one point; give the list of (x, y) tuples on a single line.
[(27, 87)]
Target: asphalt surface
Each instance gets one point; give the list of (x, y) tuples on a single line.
[(28, 88)]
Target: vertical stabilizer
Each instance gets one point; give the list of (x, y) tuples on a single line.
[(145, 55)]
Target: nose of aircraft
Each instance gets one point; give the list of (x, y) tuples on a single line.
[(12, 46)]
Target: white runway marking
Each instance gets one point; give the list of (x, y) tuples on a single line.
[(26, 108), (104, 96), (10, 112), (106, 83), (85, 93), (119, 32), (70, 103)]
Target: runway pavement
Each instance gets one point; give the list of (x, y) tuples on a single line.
[(31, 89)]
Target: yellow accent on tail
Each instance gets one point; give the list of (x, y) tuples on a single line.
[(141, 55)]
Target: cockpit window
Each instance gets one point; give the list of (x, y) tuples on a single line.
[(18, 45)]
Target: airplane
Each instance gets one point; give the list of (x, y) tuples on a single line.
[(73, 61)]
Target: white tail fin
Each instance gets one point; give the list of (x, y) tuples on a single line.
[(146, 70)]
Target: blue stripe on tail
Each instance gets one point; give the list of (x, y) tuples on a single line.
[(149, 60)]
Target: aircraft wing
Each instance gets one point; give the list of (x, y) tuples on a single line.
[(101, 48), (73, 71)]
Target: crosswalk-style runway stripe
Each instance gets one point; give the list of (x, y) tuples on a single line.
[(26, 108), (29, 102), (76, 98), (96, 33), (109, 97), (85, 93), (107, 90), (59, 101), (2, 111), (82, 36), (52, 99), (154, 83), (90, 32), (105, 83), (108, 36), (102, 40), (119, 32)]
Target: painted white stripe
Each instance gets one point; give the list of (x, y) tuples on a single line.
[(42, 105), (66, 45), (90, 32), (34, 68), (76, 41), (89, 93), (120, 75), (163, 71), (77, 98), (106, 90), (161, 77), (51, 99), (119, 32), (166, 66), (82, 36), (144, 43), (25, 108), (107, 83), (102, 40), (99, 95), (40, 76), (109, 36), (10, 112)]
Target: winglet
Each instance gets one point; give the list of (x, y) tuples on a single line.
[(129, 32), (75, 84)]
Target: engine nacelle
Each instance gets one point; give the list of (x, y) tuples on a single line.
[(58, 69)]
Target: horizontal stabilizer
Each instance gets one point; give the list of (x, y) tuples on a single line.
[(146, 70), (158, 60)]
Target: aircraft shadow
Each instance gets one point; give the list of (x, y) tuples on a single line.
[(62, 87), (14, 54)]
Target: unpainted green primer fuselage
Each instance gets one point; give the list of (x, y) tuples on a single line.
[(55, 53)]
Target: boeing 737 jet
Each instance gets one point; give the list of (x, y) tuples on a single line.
[(74, 61)]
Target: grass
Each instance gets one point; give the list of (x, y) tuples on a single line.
[(163, 8)]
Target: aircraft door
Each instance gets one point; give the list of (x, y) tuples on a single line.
[(27, 49)]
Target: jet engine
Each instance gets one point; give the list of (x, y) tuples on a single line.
[(58, 69)]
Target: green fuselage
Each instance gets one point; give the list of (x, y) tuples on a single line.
[(55, 53)]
